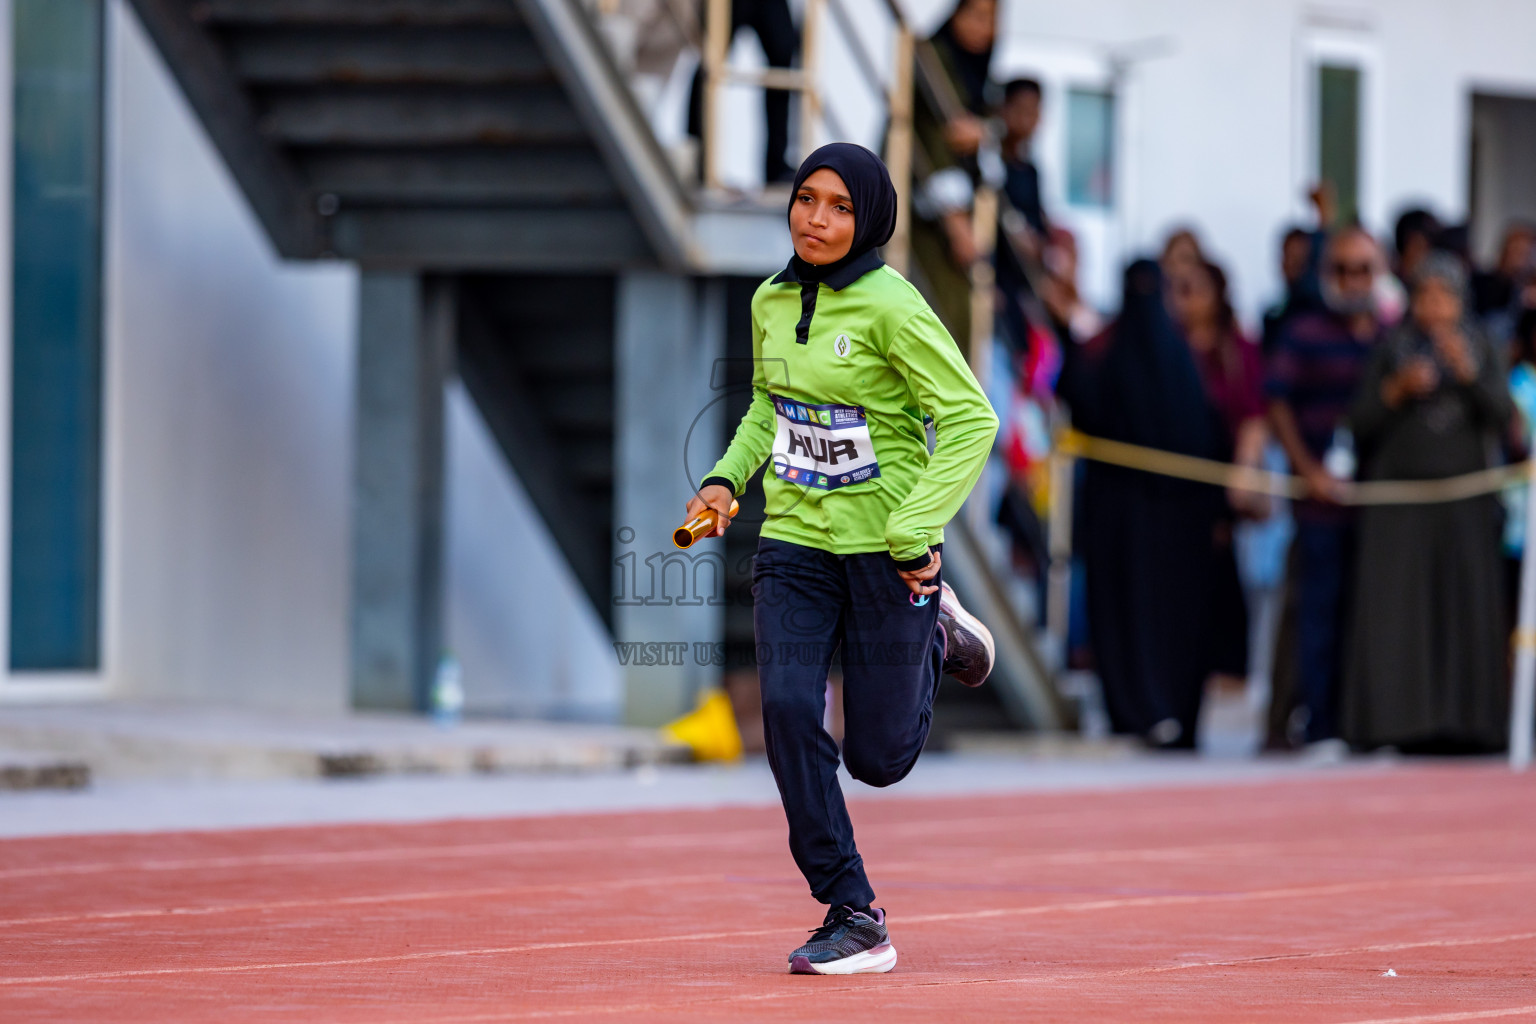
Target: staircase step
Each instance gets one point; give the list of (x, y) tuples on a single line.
[(587, 454), (570, 238), (581, 400), (551, 368), (391, 55), (568, 355), (357, 12), (568, 176), (423, 116)]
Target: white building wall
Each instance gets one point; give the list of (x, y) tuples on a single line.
[(228, 419)]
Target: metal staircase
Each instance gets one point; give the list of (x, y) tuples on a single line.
[(426, 133)]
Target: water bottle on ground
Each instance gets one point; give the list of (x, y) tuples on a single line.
[(448, 692)]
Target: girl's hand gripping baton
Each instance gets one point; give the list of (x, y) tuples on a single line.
[(701, 525)]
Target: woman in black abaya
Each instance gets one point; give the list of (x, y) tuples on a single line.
[(1147, 540), (1426, 655)]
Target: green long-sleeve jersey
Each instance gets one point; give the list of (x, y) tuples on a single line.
[(844, 372)]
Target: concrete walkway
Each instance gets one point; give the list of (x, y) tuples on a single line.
[(148, 806), (118, 741), (144, 768)]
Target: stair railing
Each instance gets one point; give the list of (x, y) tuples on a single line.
[(997, 224), (819, 120)]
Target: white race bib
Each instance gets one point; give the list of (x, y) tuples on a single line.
[(825, 446)]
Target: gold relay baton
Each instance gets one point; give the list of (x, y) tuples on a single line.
[(701, 525)]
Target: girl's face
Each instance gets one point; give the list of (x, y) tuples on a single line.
[(821, 218)]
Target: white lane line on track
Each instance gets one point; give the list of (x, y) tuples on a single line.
[(1184, 853), (1446, 1018), (390, 853), (360, 900), (891, 983), (1288, 848), (1082, 907), (1181, 899), (1360, 805), (689, 840)]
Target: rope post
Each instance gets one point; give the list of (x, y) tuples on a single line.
[(717, 41), (898, 149), (810, 98), (983, 281), (1058, 596), (1522, 717)]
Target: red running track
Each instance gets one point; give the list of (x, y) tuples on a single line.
[(1279, 901)]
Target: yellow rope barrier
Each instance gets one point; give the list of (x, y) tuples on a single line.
[(1281, 485)]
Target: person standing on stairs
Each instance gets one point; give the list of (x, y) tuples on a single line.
[(850, 361), (775, 28)]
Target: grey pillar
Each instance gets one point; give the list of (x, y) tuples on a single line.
[(670, 331), (405, 337)]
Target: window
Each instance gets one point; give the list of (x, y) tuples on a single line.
[(1338, 134), (1090, 148), (56, 336)]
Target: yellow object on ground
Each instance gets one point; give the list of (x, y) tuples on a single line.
[(709, 730)]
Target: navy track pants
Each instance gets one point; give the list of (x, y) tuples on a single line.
[(807, 604)]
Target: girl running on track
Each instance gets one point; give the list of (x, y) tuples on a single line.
[(848, 360)]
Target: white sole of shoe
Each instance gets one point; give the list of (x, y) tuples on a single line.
[(957, 611), (875, 961)]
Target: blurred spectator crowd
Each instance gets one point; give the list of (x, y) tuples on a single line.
[(1394, 358)]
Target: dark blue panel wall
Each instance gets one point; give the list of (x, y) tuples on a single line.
[(56, 371)]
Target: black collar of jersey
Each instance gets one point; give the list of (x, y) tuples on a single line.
[(840, 278)]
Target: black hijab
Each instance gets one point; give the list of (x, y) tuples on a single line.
[(970, 70), (874, 211), (1147, 390)]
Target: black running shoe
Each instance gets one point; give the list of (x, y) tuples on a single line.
[(848, 942), (969, 652)]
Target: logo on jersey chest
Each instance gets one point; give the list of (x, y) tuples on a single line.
[(842, 346)]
